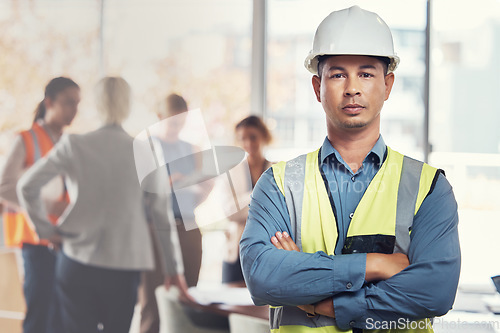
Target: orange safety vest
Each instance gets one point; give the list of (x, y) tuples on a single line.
[(17, 229)]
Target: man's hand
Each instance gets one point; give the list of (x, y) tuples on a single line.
[(325, 308), (283, 241), (180, 282), (383, 266)]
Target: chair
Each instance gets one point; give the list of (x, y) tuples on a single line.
[(173, 317), (239, 323), (496, 281)]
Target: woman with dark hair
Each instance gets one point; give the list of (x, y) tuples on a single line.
[(252, 135), (54, 112)]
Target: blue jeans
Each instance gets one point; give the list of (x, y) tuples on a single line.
[(42, 310)]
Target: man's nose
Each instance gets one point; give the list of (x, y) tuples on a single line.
[(352, 87)]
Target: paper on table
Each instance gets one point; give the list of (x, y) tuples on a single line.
[(492, 303), (222, 295)]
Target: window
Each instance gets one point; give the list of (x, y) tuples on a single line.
[(464, 118), (41, 40), (199, 49)]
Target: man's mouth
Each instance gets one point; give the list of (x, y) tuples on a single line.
[(353, 108)]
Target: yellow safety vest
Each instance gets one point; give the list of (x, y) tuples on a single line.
[(381, 222)]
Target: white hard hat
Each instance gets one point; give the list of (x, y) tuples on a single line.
[(352, 31)]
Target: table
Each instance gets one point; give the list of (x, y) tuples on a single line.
[(225, 310), (215, 315)]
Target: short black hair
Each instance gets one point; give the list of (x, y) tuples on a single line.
[(176, 104), (321, 60)]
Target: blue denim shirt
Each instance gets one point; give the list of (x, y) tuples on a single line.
[(424, 289)]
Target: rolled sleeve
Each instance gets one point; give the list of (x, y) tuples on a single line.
[(349, 272), (350, 310)]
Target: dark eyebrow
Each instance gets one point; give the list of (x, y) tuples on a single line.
[(367, 67), (343, 69), (338, 68)]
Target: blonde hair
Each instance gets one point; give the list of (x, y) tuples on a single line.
[(112, 95)]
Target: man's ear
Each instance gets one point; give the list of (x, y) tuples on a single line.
[(316, 82), (389, 81)]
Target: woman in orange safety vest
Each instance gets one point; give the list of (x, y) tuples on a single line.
[(55, 111)]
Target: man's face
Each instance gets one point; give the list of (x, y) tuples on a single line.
[(352, 90)]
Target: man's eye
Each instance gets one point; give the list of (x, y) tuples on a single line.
[(366, 75), (337, 76)]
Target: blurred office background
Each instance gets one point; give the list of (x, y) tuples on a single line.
[(231, 58)]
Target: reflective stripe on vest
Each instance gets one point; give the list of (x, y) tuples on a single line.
[(392, 199), (17, 229)]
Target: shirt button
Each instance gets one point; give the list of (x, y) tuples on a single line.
[(353, 179), (352, 323), (351, 215), (348, 285)]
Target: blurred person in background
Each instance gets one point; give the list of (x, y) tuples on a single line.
[(252, 135), (54, 112), (172, 113), (105, 237)]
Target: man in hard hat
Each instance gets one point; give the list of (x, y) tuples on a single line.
[(353, 235)]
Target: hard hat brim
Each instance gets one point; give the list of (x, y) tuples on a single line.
[(311, 61)]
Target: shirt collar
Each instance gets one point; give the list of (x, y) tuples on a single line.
[(379, 150)]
